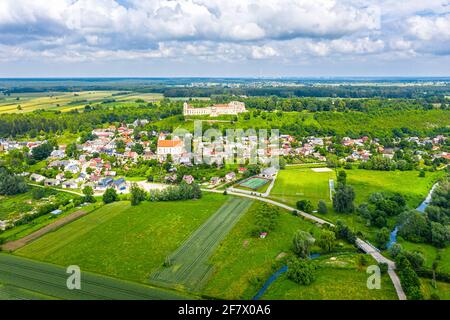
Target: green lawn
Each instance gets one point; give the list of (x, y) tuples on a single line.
[(340, 279), (242, 262), (124, 241)]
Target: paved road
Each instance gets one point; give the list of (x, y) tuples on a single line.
[(366, 247)]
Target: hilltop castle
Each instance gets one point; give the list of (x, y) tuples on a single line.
[(232, 108)]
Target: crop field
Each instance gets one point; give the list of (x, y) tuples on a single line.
[(254, 183), (336, 279), (124, 241), (24, 279), (25, 102), (242, 262), (188, 266)]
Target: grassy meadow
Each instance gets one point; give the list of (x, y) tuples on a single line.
[(338, 277), (124, 241), (242, 262)]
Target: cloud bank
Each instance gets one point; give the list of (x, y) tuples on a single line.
[(215, 31)]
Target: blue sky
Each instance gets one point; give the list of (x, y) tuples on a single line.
[(44, 38)]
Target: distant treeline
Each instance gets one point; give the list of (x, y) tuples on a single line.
[(171, 91), (342, 91)]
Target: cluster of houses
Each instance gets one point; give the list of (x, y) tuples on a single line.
[(89, 168)]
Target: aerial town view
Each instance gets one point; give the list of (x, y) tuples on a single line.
[(224, 150)]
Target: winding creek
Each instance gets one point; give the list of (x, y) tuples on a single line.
[(392, 240), (421, 208)]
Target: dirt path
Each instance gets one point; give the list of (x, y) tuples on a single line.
[(14, 245)]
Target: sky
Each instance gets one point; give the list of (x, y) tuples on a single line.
[(224, 38)]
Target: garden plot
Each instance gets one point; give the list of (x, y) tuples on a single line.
[(188, 266)]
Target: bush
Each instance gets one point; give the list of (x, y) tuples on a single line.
[(137, 194), (110, 195), (301, 271), (305, 205), (322, 207), (383, 267)]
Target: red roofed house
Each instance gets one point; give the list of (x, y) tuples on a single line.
[(172, 147)]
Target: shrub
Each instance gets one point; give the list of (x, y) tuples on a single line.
[(304, 205), (301, 271), (302, 243), (322, 207), (110, 195)]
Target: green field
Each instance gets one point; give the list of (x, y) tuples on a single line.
[(242, 262), (340, 279), (27, 279), (124, 241), (67, 101), (188, 265), (295, 184)]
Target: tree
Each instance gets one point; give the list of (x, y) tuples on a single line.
[(302, 243), (322, 207), (42, 152), (304, 205), (327, 240), (440, 235), (71, 150), (301, 271), (342, 178), (11, 184), (138, 148), (137, 194), (110, 195), (266, 219), (382, 238), (343, 199), (120, 146), (88, 194)]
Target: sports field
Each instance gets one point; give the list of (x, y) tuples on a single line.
[(188, 266), (295, 184), (124, 241), (27, 279), (254, 183)]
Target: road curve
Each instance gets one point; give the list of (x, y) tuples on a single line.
[(364, 246)]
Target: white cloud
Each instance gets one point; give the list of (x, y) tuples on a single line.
[(219, 30)]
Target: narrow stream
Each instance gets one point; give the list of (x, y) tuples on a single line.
[(421, 208), (275, 276)]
